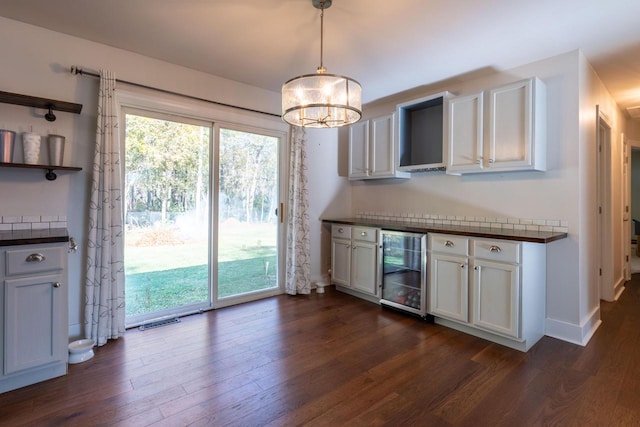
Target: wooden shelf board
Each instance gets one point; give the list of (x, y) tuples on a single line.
[(44, 167), (36, 102)]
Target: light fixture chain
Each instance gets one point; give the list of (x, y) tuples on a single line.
[(321, 34)]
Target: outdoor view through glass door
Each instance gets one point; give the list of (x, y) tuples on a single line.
[(247, 227), (167, 216)]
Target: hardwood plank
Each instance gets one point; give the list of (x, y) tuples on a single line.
[(332, 359)]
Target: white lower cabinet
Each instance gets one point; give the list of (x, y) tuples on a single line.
[(449, 277), (355, 258), (33, 322), (496, 297), (494, 289)]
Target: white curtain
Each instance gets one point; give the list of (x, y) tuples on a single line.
[(298, 262), (104, 287)]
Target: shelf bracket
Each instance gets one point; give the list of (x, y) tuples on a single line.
[(42, 103), (50, 175)]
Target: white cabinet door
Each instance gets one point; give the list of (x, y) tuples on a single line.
[(496, 297), (34, 330), (359, 150), (464, 134), (516, 123), (381, 154), (517, 126), (364, 266), (372, 149), (341, 261), (449, 284), (510, 125)]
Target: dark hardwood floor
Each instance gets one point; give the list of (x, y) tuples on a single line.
[(331, 360)]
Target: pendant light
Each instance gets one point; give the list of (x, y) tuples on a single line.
[(321, 100)]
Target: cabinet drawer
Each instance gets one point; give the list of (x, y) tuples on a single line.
[(341, 231), (497, 250), (365, 234), (447, 244), (34, 260)]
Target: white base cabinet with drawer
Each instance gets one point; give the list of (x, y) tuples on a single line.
[(494, 289), (355, 258), (33, 322)]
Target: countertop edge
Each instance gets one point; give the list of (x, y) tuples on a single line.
[(33, 237), (515, 235)]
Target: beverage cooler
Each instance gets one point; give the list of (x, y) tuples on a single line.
[(404, 271)]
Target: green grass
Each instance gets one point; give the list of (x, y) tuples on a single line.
[(160, 277)]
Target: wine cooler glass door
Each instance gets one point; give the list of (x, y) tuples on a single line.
[(404, 271)]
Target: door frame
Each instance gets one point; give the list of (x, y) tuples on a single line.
[(632, 145), (603, 268), (626, 206)]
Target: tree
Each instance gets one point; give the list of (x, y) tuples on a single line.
[(166, 161)]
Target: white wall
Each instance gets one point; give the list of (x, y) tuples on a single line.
[(329, 196), (560, 193), (592, 93), (36, 62)]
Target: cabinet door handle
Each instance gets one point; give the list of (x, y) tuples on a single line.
[(461, 265), (340, 230), (364, 233), (494, 248), (492, 160), (448, 244), (476, 268), (56, 284), (35, 258)]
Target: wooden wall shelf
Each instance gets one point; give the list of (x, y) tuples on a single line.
[(36, 102), (50, 174)]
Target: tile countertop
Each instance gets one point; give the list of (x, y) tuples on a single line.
[(31, 237), (491, 233)]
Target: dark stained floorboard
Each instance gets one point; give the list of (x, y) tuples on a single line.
[(330, 360)]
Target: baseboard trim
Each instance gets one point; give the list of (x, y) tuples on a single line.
[(619, 289), (570, 332)]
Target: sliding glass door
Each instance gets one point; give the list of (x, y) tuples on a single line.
[(202, 209), (167, 215), (247, 222)]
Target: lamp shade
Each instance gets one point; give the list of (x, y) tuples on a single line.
[(321, 100)]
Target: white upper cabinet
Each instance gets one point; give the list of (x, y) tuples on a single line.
[(372, 149), (505, 133)]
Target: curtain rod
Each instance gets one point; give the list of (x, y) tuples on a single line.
[(75, 70)]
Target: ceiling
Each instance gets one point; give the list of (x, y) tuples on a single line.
[(388, 46)]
